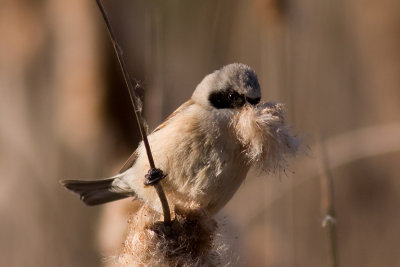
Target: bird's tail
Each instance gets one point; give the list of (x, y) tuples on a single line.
[(94, 192)]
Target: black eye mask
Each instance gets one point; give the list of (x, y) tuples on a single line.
[(253, 101), (230, 99)]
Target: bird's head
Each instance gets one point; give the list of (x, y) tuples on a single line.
[(231, 87)]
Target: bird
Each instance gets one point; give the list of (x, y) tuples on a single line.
[(197, 147)]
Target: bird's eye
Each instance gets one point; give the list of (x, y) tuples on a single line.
[(232, 96)]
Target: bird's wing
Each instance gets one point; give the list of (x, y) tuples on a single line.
[(131, 160), (129, 163), (178, 110)]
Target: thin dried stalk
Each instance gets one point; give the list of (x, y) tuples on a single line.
[(327, 203), (136, 107)]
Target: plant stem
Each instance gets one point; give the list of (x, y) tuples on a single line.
[(138, 114), (327, 203)]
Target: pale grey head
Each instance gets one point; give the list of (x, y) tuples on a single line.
[(230, 87)]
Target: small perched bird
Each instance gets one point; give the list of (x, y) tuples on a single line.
[(205, 147)]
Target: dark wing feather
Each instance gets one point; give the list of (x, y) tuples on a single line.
[(93, 192)]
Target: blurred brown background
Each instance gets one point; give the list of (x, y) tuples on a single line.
[(65, 113)]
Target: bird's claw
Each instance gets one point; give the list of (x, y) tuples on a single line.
[(154, 176)]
